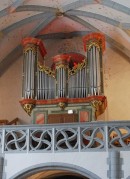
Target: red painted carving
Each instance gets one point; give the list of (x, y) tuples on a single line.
[(38, 42), (98, 36), (65, 100)]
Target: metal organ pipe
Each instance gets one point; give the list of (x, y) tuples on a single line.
[(78, 81), (61, 64), (29, 74), (46, 85), (61, 82), (94, 71), (91, 72), (26, 75), (31, 47), (98, 73), (85, 88), (94, 44), (95, 81)]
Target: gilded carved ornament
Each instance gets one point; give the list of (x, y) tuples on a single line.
[(28, 108), (99, 107), (61, 66), (96, 104), (33, 49), (94, 37), (46, 69), (62, 105), (76, 68), (94, 43)]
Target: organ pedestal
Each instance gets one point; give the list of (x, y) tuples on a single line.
[(74, 82)]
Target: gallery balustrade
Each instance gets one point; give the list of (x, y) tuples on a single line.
[(80, 137)]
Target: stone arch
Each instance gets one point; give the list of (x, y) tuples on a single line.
[(54, 166)]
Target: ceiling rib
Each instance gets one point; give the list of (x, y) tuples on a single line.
[(15, 8), (111, 4), (15, 5), (50, 16), (10, 59), (42, 25), (72, 12), (94, 16), (73, 5), (108, 39), (15, 53), (11, 8), (26, 21), (36, 8)]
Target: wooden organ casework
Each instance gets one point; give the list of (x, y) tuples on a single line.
[(70, 90)]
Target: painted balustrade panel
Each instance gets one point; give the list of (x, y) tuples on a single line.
[(15, 140), (40, 140), (92, 136), (119, 137), (66, 139)]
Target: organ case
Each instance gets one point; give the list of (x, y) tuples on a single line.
[(73, 82)]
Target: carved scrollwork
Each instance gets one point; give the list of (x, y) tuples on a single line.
[(99, 107), (66, 139), (92, 138), (61, 66), (96, 39), (62, 105), (41, 140), (96, 104), (76, 68), (30, 48), (46, 69), (28, 108), (15, 140), (94, 43)]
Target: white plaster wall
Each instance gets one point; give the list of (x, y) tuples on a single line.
[(95, 162), (116, 83)]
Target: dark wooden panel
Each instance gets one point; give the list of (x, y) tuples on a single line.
[(62, 118)]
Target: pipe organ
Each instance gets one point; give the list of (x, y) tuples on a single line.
[(74, 82)]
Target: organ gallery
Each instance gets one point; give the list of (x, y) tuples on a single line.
[(70, 89)]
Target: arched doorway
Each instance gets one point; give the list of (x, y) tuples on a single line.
[(55, 171), (56, 174)]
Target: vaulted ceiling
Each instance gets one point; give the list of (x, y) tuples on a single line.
[(58, 19)]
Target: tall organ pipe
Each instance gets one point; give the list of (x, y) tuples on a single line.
[(98, 73), (94, 72), (30, 85), (94, 44)]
